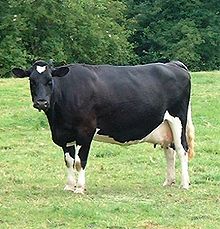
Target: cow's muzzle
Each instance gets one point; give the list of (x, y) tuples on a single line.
[(41, 105)]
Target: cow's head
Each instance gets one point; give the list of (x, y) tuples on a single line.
[(41, 82)]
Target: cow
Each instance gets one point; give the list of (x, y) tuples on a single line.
[(115, 104)]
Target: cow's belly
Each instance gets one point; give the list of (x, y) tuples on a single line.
[(162, 135)]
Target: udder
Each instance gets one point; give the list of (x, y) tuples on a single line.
[(162, 135)]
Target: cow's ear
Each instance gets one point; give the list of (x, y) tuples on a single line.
[(60, 72), (18, 72)]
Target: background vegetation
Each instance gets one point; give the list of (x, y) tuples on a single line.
[(124, 185), (185, 30), (109, 31)]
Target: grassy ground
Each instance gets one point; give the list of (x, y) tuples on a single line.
[(124, 184)]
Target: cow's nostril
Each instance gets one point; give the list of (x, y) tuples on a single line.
[(42, 104)]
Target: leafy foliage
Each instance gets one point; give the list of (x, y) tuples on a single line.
[(109, 31), (185, 30), (65, 31)]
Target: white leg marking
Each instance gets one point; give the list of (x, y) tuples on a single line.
[(185, 174), (176, 127), (77, 159), (71, 180), (79, 187), (72, 170), (170, 155), (81, 182)]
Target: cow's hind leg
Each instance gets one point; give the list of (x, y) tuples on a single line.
[(69, 157), (176, 127), (170, 156)]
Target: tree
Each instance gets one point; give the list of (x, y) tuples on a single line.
[(66, 31), (184, 30), (209, 26), (11, 46)]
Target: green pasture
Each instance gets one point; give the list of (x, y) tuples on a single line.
[(124, 185)]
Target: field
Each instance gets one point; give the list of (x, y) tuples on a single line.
[(124, 185)]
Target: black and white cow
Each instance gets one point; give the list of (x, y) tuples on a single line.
[(116, 104)]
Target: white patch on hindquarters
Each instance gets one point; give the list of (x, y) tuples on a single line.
[(41, 69), (176, 127)]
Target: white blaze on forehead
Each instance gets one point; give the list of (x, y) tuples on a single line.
[(41, 69)]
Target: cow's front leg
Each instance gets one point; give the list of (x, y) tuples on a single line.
[(69, 157), (170, 156), (81, 155), (76, 160), (81, 181)]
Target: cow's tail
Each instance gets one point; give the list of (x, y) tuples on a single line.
[(190, 133)]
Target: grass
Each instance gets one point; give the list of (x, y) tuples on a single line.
[(124, 184)]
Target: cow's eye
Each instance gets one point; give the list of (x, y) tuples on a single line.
[(49, 82), (32, 83)]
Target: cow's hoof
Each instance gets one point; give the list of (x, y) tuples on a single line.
[(185, 186), (79, 191), (169, 182), (71, 188)]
